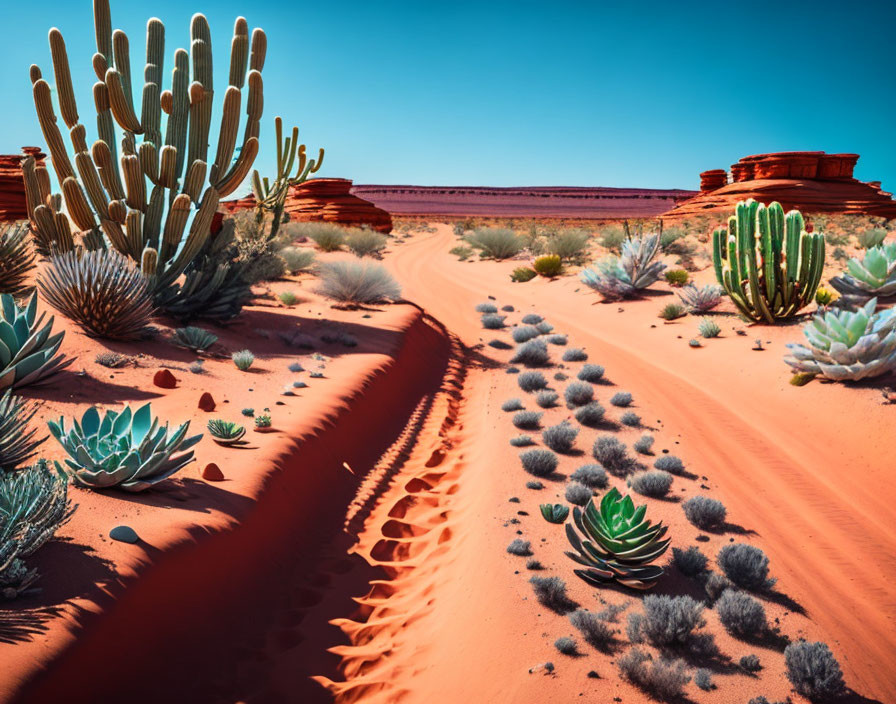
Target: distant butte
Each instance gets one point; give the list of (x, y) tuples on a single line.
[(812, 182), (12, 189)]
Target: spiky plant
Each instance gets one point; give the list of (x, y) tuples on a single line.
[(193, 338), (17, 441), (34, 503), (554, 513), (623, 277), (16, 258), (872, 275), (225, 432), (709, 328), (28, 352), (101, 291), (700, 299), (127, 449), (243, 359), (846, 345), (619, 543)]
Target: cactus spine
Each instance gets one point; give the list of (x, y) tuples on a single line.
[(767, 262), (149, 192)]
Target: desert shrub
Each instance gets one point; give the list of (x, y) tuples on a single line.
[(621, 398), (548, 265), (533, 564), (591, 475), (669, 463), (745, 565), (357, 283), (297, 259), (524, 333), (520, 547), (813, 670), (328, 237), (499, 344), (672, 311), (559, 340), (566, 645), (750, 663), (551, 592), (560, 376), (654, 482), (495, 242), (700, 299), (532, 319), (288, 298), (611, 237), (561, 437), (546, 399), (462, 252), (594, 628), (716, 584), (527, 420), (664, 679), (243, 359), (578, 394), (112, 360), (486, 308), (577, 494), (612, 455), (666, 621), (575, 354), (690, 562), (592, 373), (533, 353), (508, 308), (534, 485), (705, 513), (539, 463), (544, 327), (569, 244), (365, 243), (512, 370), (677, 277), (522, 274), (522, 441), (631, 419), (532, 381), (16, 258), (703, 679), (741, 614), (513, 404), (491, 321), (643, 444), (709, 328)]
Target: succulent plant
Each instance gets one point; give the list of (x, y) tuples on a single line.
[(101, 291), (619, 543), (16, 258), (623, 277), (34, 503), (554, 513), (846, 345), (225, 432), (700, 299), (17, 441), (193, 338), (672, 311), (767, 262), (130, 450), (872, 275), (28, 352), (243, 359), (824, 296), (263, 421), (709, 328)]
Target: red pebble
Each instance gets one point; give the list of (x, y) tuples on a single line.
[(206, 402), (164, 379), (212, 473)]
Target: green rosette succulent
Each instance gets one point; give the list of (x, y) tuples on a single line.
[(554, 513), (847, 345), (129, 450), (617, 543), (28, 352), (872, 275)]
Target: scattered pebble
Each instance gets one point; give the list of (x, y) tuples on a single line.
[(212, 473), (124, 534), (164, 379)]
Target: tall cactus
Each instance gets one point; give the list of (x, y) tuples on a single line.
[(142, 201), (767, 262), (271, 197)]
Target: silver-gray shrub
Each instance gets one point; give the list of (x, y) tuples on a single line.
[(592, 373), (591, 475), (496, 242), (486, 307), (492, 321), (532, 319), (670, 463), (664, 679), (704, 512), (621, 398), (560, 437), (745, 565), (577, 494), (546, 399), (666, 621), (539, 462), (813, 670), (520, 547), (590, 415), (575, 354), (357, 282), (654, 483), (611, 453), (531, 381), (522, 441), (595, 629), (740, 614), (578, 394), (631, 419), (524, 333), (527, 420), (643, 444), (513, 404), (690, 562), (533, 353)]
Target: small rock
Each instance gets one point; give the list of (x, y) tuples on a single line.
[(212, 473), (124, 534), (206, 402), (164, 379)]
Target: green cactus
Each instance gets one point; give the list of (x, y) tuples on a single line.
[(767, 262), (124, 198)]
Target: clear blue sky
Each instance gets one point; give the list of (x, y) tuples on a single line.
[(523, 93)]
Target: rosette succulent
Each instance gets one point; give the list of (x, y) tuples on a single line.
[(27, 349), (617, 542), (622, 277), (872, 275), (846, 345), (225, 432), (554, 513), (127, 449)]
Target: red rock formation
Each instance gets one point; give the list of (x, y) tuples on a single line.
[(326, 200), (12, 188), (813, 182), (206, 402), (712, 180)]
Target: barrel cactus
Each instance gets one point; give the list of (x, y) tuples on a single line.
[(619, 543), (622, 277), (847, 345), (130, 450), (872, 275), (28, 352), (767, 262)]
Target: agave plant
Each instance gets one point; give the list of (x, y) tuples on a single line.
[(700, 299), (872, 275), (846, 345), (225, 432), (33, 504), (129, 449), (623, 277), (17, 441), (195, 339), (554, 513), (27, 349), (16, 258), (619, 543)]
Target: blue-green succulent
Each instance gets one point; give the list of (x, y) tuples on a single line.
[(28, 352)]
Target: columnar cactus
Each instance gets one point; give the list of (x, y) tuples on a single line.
[(271, 197), (767, 262), (142, 200)]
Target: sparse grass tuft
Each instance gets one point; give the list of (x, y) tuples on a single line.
[(243, 360), (594, 628), (495, 242), (551, 592), (519, 547), (709, 328), (357, 282), (677, 277), (513, 404), (672, 311), (527, 420), (643, 444)]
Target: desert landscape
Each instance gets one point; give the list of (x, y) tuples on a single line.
[(270, 435)]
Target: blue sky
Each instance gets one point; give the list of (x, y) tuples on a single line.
[(523, 93)]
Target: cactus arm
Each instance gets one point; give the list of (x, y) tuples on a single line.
[(76, 204), (102, 21), (239, 52), (47, 120), (240, 169), (230, 123), (719, 236), (176, 131), (316, 164), (67, 106)]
